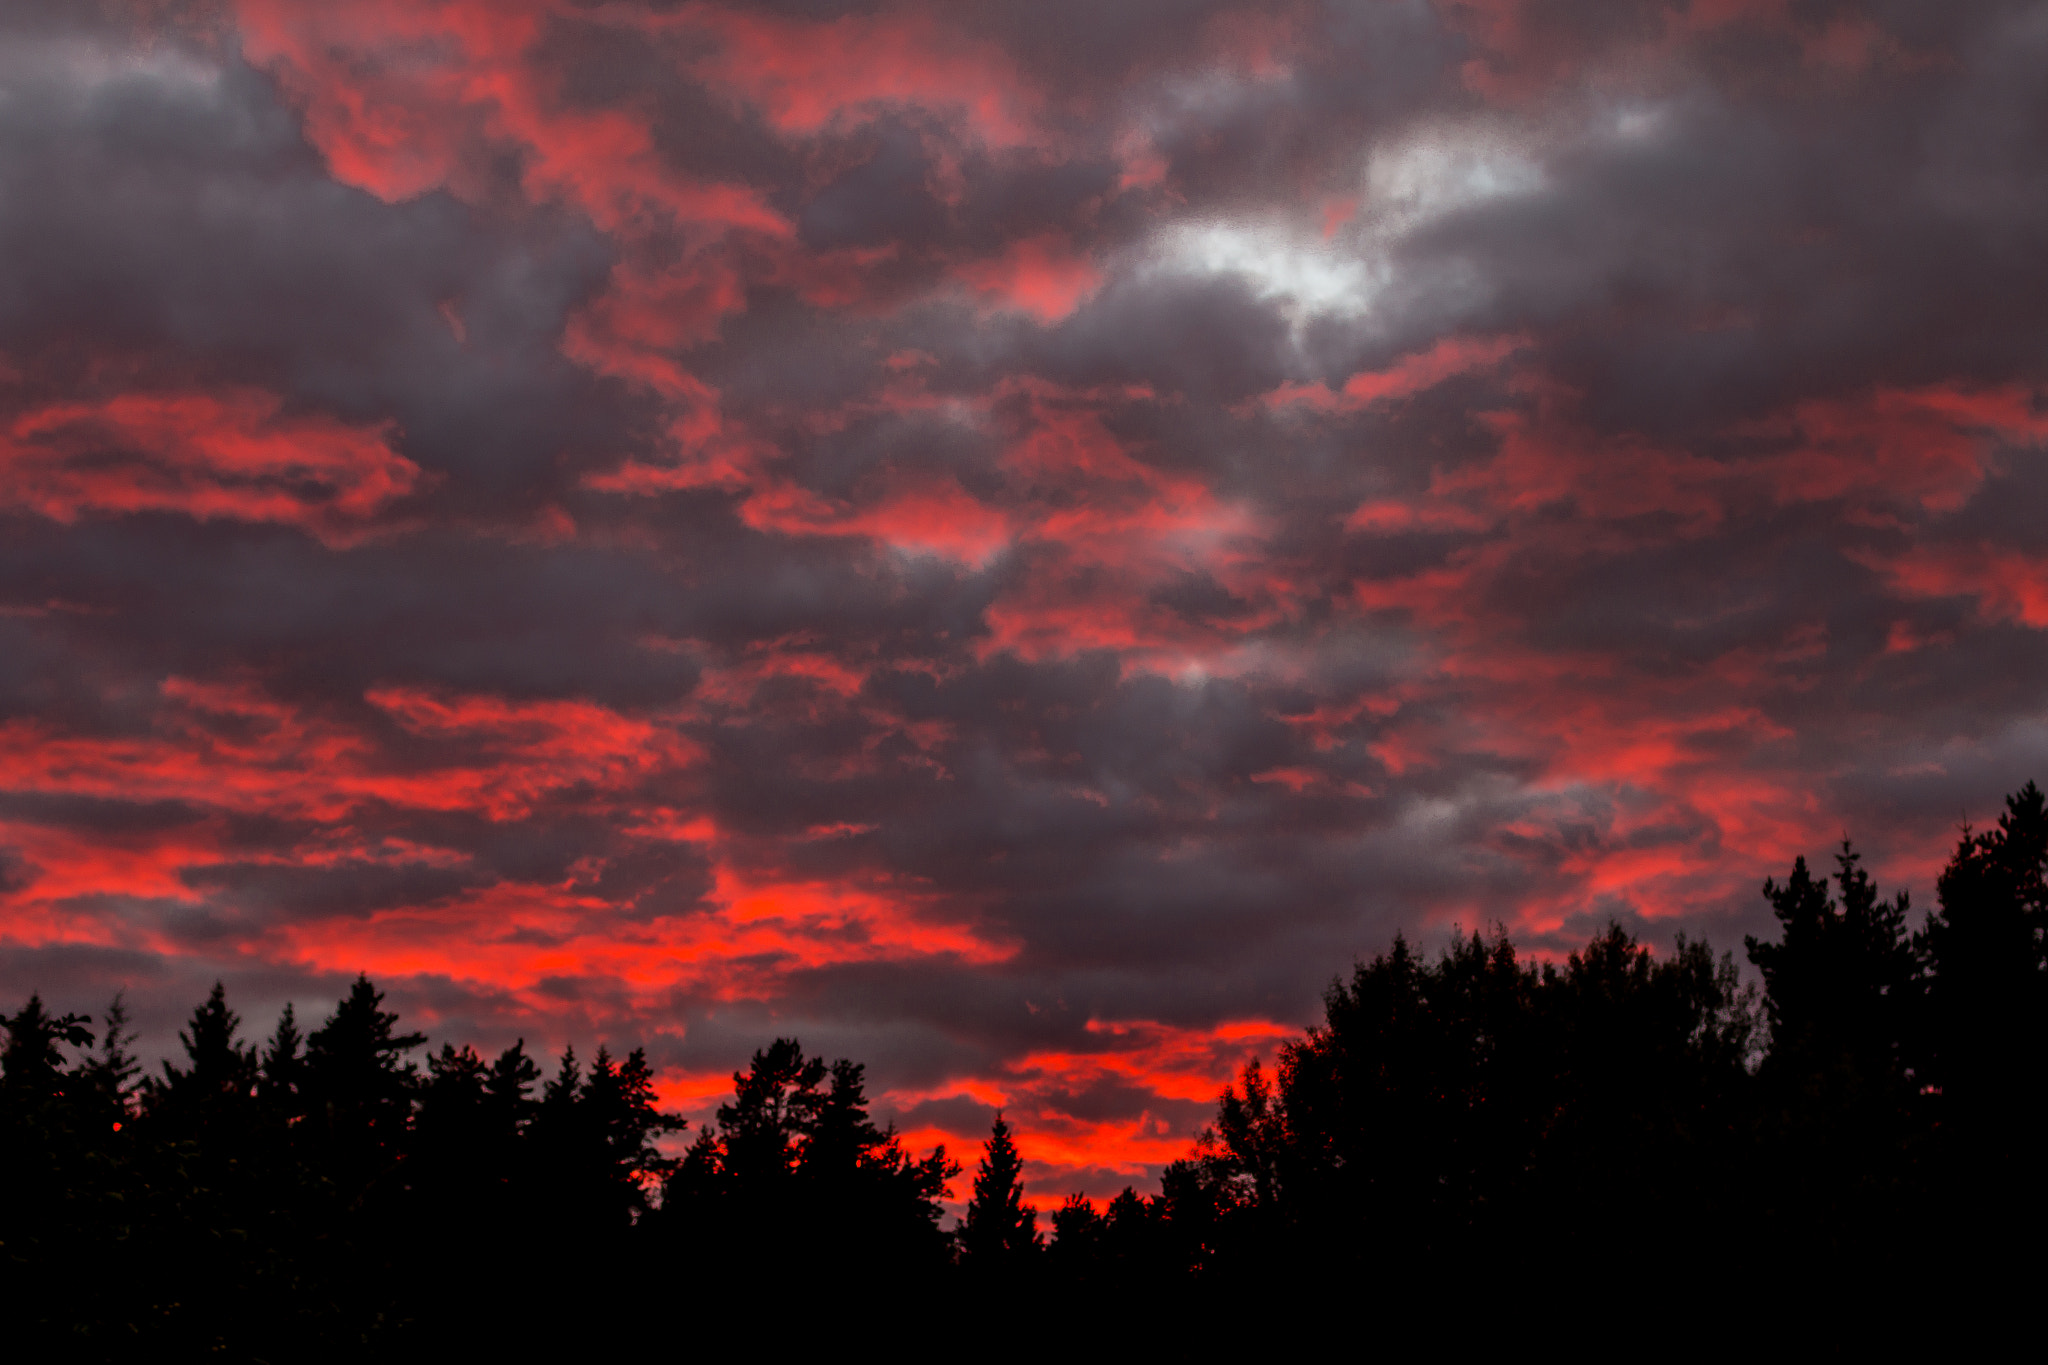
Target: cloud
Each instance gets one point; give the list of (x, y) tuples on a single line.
[(1008, 541), (231, 455)]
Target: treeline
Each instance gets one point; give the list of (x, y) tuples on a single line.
[(1876, 1109)]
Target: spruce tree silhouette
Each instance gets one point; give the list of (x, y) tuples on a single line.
[(358, 1094), (585, 1161), (1841, 982), (796, 1179), (1985, 1041), (452, 1135), (110, 1073), (1075, 1253), (999, 1234), (509, 1089), (618, 1117), (1133, 1249), (282, 1069), (1840, 1119), (457, 1226), (358, 1085), (558, 1096), (874, 1200), (563, 1159), (218, 1077), (56, 1206)]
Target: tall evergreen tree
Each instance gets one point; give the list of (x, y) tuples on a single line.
[(559, 1095), (1000, 1229), (282, 1069), (623, 1121), (1075, 1252), (1841, 981), (774, 1106), (510, 1086), (453, 1097), (110, 1073), (1841, 989), (798, 1168), (219, 1071), (1986, 1039), (357, 1088)]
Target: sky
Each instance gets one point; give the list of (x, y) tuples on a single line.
[(1009, 541)]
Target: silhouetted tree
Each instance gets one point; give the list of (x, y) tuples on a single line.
[(619, 1112), (1240, 1155), (1841, 988), (110, 1073), (453, 1121), (1649, 1085), (282, 1070), (509, 1088), (1985, 1048), (587, 1158), (1075, 1251), (1415, 1108), (60, 1196), (218, 1076), (1473, 1102), (357, 1084), (32, 1061), (1133, 1247), (999, 1231), (1841, 981), (774, 1105), (797, 1173)]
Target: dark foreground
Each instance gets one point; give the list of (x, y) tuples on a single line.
[(1462, 1139)]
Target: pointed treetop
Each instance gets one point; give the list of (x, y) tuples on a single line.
[(999, 1225)]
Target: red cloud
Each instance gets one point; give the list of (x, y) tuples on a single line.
[(2007, 584), (1410, 375), (1931, 447), (1042, 276), (232, 455), (748, 936), (807, 77)]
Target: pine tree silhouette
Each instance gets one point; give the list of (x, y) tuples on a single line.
[(283, 1067), (1984, 1044), (999, 1228), (1075, 1252), (219, 1072), (510, 1086), (1841, 989), (110, 1073)]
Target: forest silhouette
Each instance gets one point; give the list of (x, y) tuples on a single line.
[(1870, 1113)]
